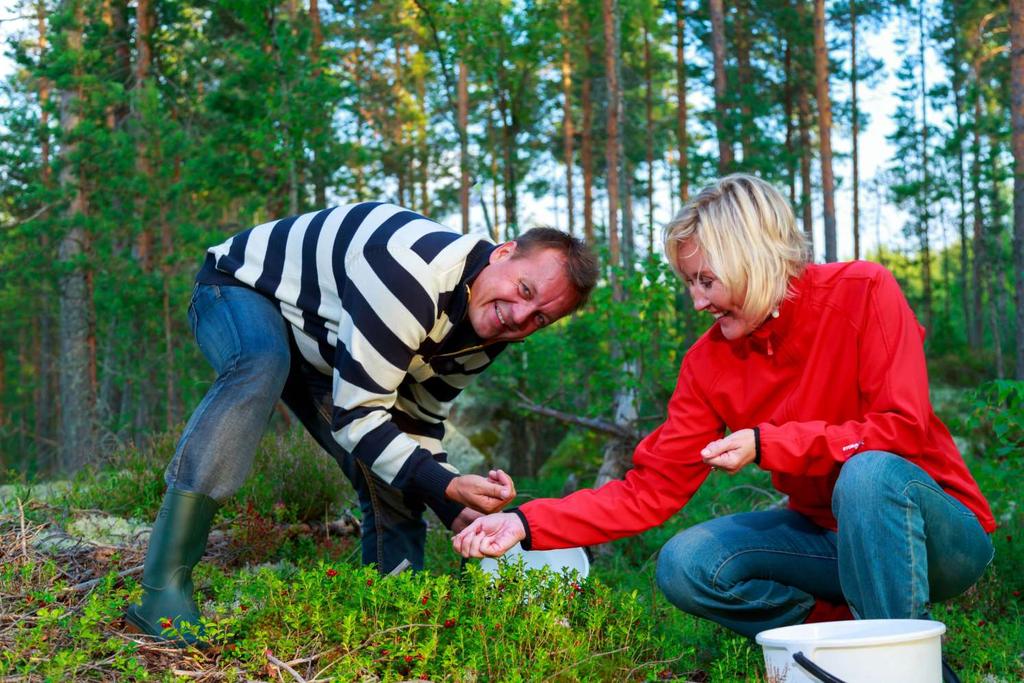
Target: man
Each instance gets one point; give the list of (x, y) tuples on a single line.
[(367, 320)]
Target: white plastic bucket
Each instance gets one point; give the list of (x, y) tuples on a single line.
[(555, 560), (874, 650)]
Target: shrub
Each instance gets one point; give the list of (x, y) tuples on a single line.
[(996, 417)]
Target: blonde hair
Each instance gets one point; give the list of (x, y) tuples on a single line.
[(748, 234)]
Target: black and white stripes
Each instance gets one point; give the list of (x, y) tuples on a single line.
[(373, 293)]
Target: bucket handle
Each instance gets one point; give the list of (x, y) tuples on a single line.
[(814, 669)]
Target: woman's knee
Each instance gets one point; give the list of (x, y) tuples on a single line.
[(684, 570), (866, 477)]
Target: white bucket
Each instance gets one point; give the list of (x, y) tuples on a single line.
[(555, 560), (875, 650)]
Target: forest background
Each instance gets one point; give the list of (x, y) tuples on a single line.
[(133, 135)]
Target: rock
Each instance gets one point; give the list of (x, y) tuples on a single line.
[(461, 453), (92, 529), (108, 530), (46, 491)]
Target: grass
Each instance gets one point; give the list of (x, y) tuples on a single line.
[(279, 594)]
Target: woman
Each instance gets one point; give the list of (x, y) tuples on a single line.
[(818, 374)]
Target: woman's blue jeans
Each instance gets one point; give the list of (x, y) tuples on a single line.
[(245, 338), (902, 542)]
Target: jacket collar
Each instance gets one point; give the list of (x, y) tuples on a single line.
[(771, 335)]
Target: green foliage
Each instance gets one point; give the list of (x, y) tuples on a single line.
[(996, 419), (317, 610), (293, 471)]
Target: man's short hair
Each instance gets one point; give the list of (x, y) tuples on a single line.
[(580, 262)]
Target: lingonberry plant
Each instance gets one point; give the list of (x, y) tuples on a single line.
[(306, 604)]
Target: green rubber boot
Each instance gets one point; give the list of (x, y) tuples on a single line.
[(176, 545)]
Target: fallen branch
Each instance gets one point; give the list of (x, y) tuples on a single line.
[(555, 675), (281, 665), (591, 423), (21, 516), (90, 584), (655, 663)]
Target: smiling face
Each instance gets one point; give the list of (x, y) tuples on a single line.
[(512, 297), (710, 294)]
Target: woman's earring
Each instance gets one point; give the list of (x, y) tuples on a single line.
[(775, 313)]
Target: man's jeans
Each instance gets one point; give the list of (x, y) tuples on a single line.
[(902, 542), (246, 340)]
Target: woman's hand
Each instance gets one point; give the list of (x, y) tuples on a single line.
[(732, 453), (490, 536)]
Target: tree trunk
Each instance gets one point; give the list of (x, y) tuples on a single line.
[(821, 72), (143, 62), (567, 124), (77, 388), (617, 454), (587, 137), (958, 96), (464, 145), (787, 107), (980, 247), (610, 10), (649, 137), (509, 156), (45, 391), (1017, 118), (741, 40), (493, 144), (721, 86), (319, 132), (681, 137), (627, 240), (804, 114), (926, 254), (855, 132), (993, 276)]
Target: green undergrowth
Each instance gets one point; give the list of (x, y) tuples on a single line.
[(273, 599)]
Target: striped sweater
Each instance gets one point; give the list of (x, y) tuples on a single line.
[(377, 297)]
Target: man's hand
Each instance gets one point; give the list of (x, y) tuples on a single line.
[(732, 453), (486, 495), (464, 519), (490, 536)]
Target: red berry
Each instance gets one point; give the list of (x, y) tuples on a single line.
[(331, 573), (424, 600), (981, 622), (448, 623), (385, 651), (1016, 594), (369, 582), (407, 658), (166, 623)]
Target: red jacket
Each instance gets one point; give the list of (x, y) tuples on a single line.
[(840, 371)]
